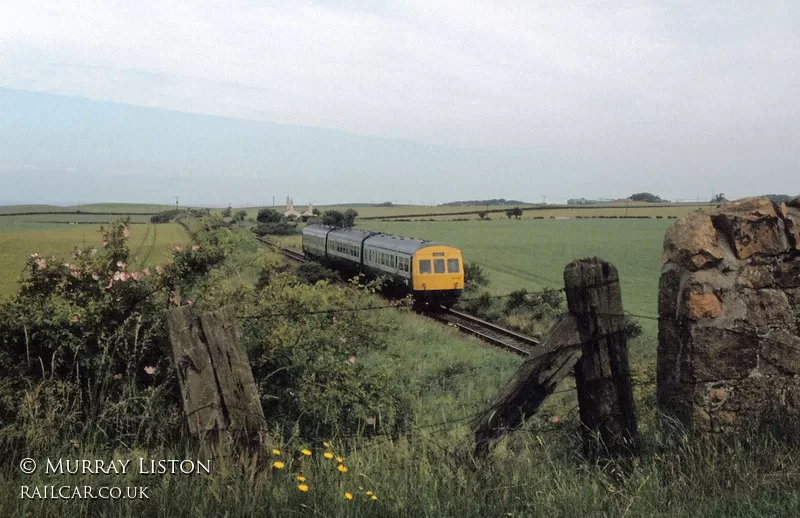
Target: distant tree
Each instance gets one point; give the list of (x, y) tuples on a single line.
[(719, 198), (240, 215), (483, 214), (226, 213), (350, 216), (316, 212), (645, 196), (333, 218), (269, 216), (516, 212)]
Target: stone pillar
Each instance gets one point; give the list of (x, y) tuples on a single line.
[(729, 309)]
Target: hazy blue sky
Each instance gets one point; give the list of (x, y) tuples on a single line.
[(408, 101)]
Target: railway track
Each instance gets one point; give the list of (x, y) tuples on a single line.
[(288, 252), (486, 331)]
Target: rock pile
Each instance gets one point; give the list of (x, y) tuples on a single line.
[(729, 308)]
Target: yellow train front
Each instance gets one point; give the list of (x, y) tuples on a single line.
[(432, 272)]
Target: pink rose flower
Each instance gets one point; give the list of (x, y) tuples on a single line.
[(195, 247), (126, 233), (95, 277)]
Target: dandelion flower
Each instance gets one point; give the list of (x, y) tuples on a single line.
[(302, 487), (278, 465), (301, 478), (326, 444), (339, 460), (374, 497), (306, 452), (328, 455), (349, 496), (276, 452), (342, 468), (370, 493)]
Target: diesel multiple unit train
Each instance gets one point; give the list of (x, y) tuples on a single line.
[(432, 272)]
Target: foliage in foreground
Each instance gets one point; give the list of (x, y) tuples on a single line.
[(85, 357)]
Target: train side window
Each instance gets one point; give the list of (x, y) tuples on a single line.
[(452, 266), (425, 266), (438, 266)]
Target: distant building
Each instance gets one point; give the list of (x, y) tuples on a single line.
[(290, 210), (581, 201)]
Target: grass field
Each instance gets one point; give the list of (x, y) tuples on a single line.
[(150, 244)]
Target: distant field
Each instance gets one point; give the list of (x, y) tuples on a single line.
[(150, 244), (118, 208)]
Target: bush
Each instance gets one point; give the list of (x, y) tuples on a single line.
[(474, 277), (85, 350), (269, 216), (282, 228), (313, 272), (306, 358)]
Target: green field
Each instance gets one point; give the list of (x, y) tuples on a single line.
[(149, 244)]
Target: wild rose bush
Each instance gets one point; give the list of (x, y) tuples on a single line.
[(84, 348)]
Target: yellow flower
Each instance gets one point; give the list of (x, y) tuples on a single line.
[(369, 493), (305, 452), (278, 465), (339, 460), (276, 452), (303, 488), (301, 478), (349, 496), (328, 455), (374, 497), (326, 444), (342, 468), (360, 488)]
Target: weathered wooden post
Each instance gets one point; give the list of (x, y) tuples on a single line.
[(217, 385), (533, 382), (602, 376)]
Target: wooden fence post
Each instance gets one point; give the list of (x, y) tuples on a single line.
[(533, 382), (217, 385), (602, 376)]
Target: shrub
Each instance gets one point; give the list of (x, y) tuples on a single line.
[(84, 344), (474, 277), (269, 216), (282, 228)]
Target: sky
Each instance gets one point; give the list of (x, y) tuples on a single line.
[(407, 101)]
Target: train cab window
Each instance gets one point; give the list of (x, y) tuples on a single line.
[(438, 266), (452, 266), (425, 266)]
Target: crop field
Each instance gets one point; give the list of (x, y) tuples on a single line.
[(150, 244)]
